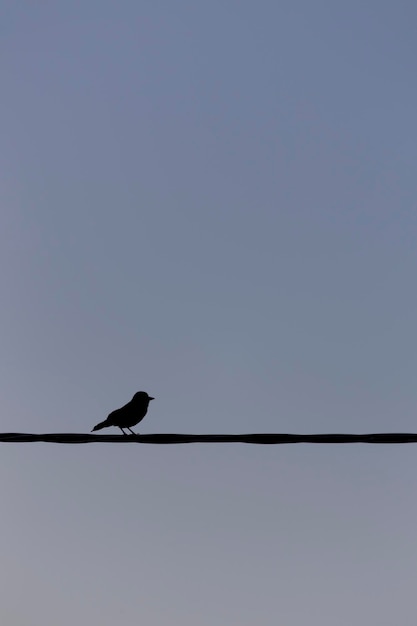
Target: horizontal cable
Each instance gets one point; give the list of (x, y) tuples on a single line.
[(165, 438)]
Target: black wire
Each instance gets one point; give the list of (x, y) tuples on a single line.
[(168, 438)]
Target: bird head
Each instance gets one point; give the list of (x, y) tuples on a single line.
[(142, 396)]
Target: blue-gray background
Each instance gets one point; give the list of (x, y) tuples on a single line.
[(214, 202)]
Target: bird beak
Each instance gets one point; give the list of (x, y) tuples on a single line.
[(150, 398)]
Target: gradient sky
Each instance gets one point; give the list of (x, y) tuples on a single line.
[(214, 202)]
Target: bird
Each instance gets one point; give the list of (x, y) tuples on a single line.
[(128, 415)]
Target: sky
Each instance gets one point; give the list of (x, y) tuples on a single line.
[(215, 203)]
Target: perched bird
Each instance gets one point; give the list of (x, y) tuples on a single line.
[(128, 415)]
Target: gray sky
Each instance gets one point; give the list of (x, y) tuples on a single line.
[(216, 203)]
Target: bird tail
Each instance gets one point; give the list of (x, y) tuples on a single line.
[(101, 425)]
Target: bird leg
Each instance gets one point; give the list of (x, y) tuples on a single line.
[(123, 431), (130, 430)]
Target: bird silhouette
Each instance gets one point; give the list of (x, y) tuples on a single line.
[(128, 415)]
